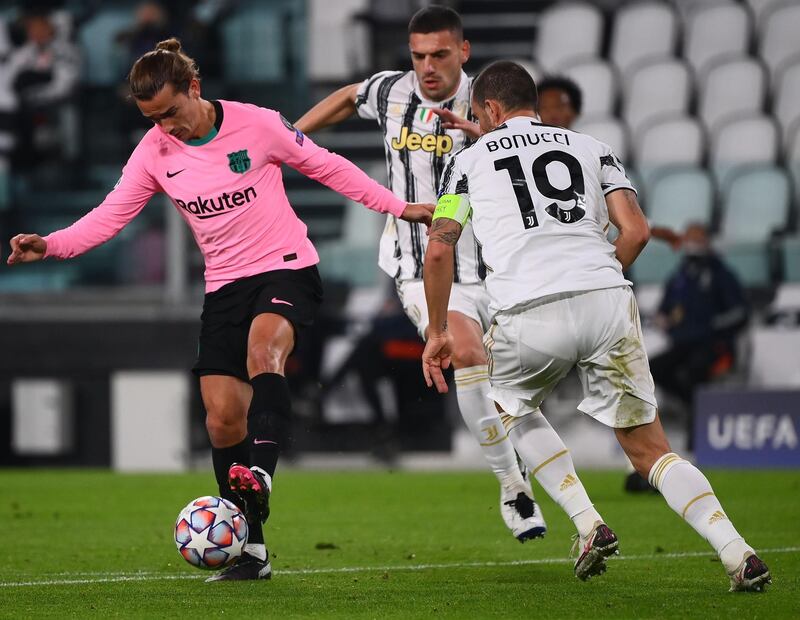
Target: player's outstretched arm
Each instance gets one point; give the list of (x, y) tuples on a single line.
[(335, 108), (438, 279), (634, 232), (662, 233), (451, 120), (26, 248)]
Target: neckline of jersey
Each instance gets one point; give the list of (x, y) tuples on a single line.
[(214, 130)]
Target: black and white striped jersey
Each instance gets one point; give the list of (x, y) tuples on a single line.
[(417, 150)]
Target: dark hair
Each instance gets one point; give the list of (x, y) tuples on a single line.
[(166, 64), (562, 83), (508, 83), (436, 18)]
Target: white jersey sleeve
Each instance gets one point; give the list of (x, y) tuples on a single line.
[(612, 172), (367, 98)]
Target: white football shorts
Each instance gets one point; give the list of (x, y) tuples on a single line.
[(531, 350), (471, 300)]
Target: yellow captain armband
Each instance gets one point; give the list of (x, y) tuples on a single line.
[(454, 207)]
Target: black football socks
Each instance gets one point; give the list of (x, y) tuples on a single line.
[(268, 423)]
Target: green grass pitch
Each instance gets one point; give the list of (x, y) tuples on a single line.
[(381, 545)]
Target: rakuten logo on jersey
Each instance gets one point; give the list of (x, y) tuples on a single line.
[(204, 208)]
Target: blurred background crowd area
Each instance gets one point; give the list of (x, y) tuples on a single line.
[(699, 98)]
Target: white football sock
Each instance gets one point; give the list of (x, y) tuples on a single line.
[(257, 550), (549, 462), (483, 421), (688, 492)]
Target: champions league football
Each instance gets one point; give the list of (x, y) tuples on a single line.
[(210, 532)]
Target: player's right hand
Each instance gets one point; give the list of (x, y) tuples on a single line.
[(419, 212), (436, 358), (451, 120), (26, 248)]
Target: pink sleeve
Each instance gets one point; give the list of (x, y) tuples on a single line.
[(288, 145), (135, 187)]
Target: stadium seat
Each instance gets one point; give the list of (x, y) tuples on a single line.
[(533, 70), (354, 256), (677, 141), (687, 8), (793, 159), (655, 264), (648, 298), (756, 205), (253, 46), (681, 197), (787, 98), (761, 8), (732, 87), (752, 140), (642, 31), (657, 89), (773, 358), (790, 253), (599, 85), (568, 30), (606, 129), (103, 58), (778, 36), (713, 32), (787, 297)]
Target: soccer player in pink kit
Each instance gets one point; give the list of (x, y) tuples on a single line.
[(219, 162)]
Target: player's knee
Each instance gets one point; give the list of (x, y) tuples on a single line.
[(225, 425), (268, 357), (225, 428)]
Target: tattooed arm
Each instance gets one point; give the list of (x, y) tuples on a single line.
[(634, 232), (438, 277)]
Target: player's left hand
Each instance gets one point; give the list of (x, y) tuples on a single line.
[(451, 120), (419, 212), (435, 359)]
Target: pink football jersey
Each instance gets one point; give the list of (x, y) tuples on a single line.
[(230, 191)]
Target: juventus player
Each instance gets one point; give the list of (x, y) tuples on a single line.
[(540, 199), (219, 162), (407, 106)]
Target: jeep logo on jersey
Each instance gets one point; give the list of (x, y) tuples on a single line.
[(239, 161), (429, 143), (205, 208)]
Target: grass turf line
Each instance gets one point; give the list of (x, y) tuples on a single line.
[(76, 521)]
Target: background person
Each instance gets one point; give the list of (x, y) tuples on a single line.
[(407, 106)]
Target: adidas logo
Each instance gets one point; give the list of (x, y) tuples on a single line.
[(717, 516), (568, 481)]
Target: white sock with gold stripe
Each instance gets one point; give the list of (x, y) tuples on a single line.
[(483, 421), (550, 463), (689, 493)]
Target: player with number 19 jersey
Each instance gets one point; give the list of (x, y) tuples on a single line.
[(543, 219)]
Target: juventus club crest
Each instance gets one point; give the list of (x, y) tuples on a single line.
[(239, 161)]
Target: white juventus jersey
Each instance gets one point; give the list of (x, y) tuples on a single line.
[(417, 149), (537, 196)]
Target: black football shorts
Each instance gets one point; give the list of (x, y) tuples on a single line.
[(294, 294)]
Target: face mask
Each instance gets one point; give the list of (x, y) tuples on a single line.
[(693, 248)]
